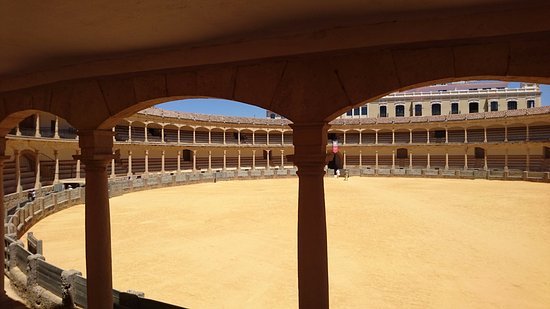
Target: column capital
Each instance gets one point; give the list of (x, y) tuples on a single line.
[(96, 146), (310, 147)]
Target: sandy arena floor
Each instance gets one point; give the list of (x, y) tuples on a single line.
[(393, 242)]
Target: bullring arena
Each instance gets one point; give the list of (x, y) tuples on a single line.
[(403, 160), (393, 242)]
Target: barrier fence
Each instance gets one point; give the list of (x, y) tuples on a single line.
[(46, 286)]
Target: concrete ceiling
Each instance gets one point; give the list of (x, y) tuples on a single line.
[(38, 36)]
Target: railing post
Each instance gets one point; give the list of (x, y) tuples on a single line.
[(67, 287)]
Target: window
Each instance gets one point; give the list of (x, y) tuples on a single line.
[(364, 110), (356, 111), (418, 110), (530, 103), (350, 113), (402, 153), (494, 106), (454, 108), (399, 110), (473, 107), (436, 109), (479, 153), (383, 111), (512, 105), (272, 116)]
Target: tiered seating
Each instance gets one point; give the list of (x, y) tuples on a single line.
[(138, 134), (216, 137), (170, 135), (260, 138), (384, 160), (201, 137), (495, 134), (231, 137), (369, 160), (368, 137), (455, 136), (352, 137), (495, 161), (27, 176), (476, 135), (517, 162), (384, 137), (420, 136), (121, 133), (456, 161), (539, 133), (246, 138), (154, 165), (288, 139), (186, 136), (420, 160), (402, 137), (437, 161), (517, 133)]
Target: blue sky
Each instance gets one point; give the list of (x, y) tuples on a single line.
[(232, 108)]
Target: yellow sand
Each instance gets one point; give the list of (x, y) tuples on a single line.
[(423, 243)]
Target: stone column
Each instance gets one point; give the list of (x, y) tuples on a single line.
[(239, 160), (485, 159), (56, 128), (56, 170), (485, 134), (209, 160), (224, 141), (446, 159), (376, 159), (179, 161), (194, 135), (17, 130), (179, 135), (528, 159), (97, 151), (267, 138), (238, 137), (162, 134), (506, 159), (410, 160), (253, 156), (37, 183), (145, 131), (283, 137), (3, 157), (310, 140), (129, 131), (77, 164), (267, 161), (360, 158), (345, 159), (505, 133), (194, 160), (465, 135), (162, 161), (210, 136), (17, 155), (224, 158), (428, 163), (376, 137), (344, 141), (466, 159), (427, 136), (283, 158), (393, 159), (129, 163), (37, 126), (360, 137), (253, 138), (393, 136), (446, 135), (113, 174), (146, 161)]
